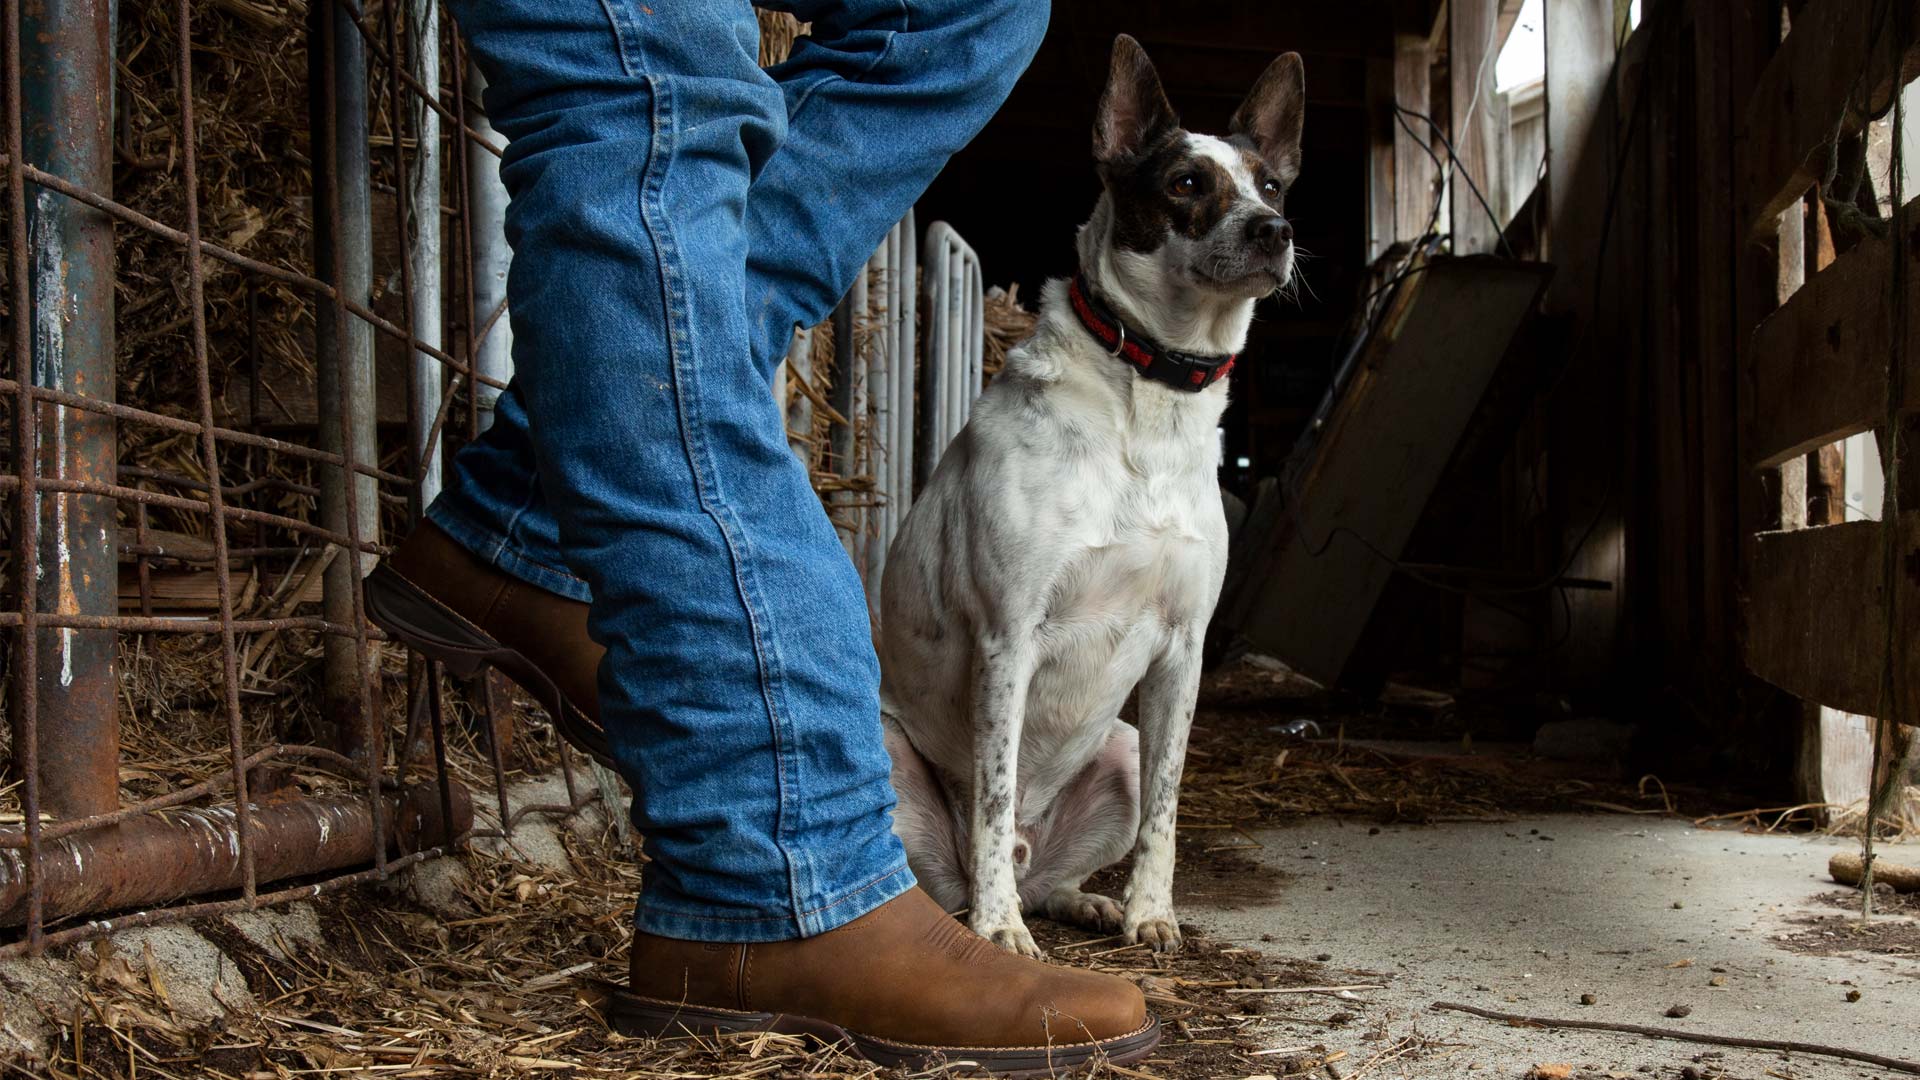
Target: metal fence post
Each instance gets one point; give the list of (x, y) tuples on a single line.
[(344, 347), (423, 28), (67, 97)]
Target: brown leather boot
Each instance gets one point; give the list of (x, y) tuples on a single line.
[(435, 595), (906, 985)]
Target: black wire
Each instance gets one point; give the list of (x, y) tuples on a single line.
[(1466, 174)]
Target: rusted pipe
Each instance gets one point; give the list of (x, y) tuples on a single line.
[(67, 95), (163, 857)]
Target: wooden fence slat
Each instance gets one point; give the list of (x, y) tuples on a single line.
[(1834, 52), (1817, 614), (1819, 362)]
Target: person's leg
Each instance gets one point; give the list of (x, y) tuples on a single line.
[(740, 687), (878, 96)]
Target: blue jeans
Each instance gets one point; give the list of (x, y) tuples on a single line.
[(676, 211)]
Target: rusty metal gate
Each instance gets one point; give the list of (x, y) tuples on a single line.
[(71, 844)]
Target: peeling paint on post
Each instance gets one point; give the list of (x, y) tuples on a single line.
[(67, 102)]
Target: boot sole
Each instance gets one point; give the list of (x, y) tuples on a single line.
[(651, 1018), (415, 617)]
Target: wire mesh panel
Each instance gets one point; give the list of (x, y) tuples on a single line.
[(208, 451)]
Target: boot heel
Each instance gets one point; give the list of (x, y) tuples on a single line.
[(409, 615)]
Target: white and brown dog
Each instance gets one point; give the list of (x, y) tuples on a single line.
[(1071, 543)]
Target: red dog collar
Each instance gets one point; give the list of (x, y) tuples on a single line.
[(1183, 370)]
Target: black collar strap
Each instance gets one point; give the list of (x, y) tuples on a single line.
[(1185, 371)]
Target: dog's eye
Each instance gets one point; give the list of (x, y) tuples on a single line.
[(1270, 187), (1186, 184)]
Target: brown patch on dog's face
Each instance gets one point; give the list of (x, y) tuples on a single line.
[(1177, 190), (1210, 209)]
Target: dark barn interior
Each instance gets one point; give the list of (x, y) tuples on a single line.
[(1570, 632)]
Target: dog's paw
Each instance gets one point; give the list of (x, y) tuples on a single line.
[(1089, 910), (1013, 937), (1158, 932)]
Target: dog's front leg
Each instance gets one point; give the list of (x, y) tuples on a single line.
[(1167, 696), (1003, 667)]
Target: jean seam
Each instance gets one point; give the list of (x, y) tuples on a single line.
[(688, 399), (624, 37)]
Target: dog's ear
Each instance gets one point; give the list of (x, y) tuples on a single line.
[(1274, 114), (1133, 108)]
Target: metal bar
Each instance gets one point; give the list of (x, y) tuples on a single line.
[(322, 291), (320, 756), (233, 513), (877, 364), (188, 427), (343, 256), (66, 79), (210, 452), (491, 257), (164, 857), (798, 368), (25, 703), (428, 97), (166, 916), (423, 254), (350, 63), (906, 382), (463, 183), (416, 323)]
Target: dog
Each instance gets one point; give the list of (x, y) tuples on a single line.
[(1070, 545)]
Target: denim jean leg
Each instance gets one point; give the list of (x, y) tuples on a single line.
[(740, 689), (879, 95)]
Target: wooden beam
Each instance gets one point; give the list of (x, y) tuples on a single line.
[(1381, 131), (1819, 362), (1360, 493), (1579, 56), (1836, 67), (1474, 109), (1817, 614), (1413, 196)]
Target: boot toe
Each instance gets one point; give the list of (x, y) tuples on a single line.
[(1087, 1006)]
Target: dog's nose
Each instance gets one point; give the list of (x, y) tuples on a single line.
[(1270, 233)]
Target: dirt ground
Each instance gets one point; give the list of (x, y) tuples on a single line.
[(487, 965)]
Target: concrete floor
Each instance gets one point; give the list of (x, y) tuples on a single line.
[(1502, 917)]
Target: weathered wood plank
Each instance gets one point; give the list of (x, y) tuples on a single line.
[(1387, 436), (1579, 56), (1819, 362), (1837, 66), (1412, 164), (1382, 131), (1816, 614), (1473, 104)]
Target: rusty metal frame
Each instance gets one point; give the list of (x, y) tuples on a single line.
[(128, 844)]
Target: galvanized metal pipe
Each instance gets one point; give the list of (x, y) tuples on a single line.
[(871, 537), (423, 28), (66, 93), (848, 396), (492, 258), (797, 406), (167, 856), (343, 258), (906, 383)]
